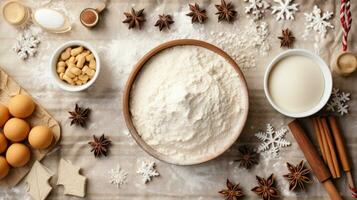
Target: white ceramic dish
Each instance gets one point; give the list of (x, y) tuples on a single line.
[(65, 27), (326, 74), (54, 59)]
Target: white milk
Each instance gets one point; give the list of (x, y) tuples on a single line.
[(296, 84)]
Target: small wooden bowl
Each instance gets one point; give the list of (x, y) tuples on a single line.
[(136, 71)]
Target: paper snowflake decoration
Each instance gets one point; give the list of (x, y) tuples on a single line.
[(147, 170), (285, 10), (338, 102), (272, 141), (317, 22), (26, 44), (117, 176), (256, 8)]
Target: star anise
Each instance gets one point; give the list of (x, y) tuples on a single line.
[(226, 12), (287, 39), (99, 145), (134, 19), (266, 189), (79, 116), (298, 175), (197, 14), (247, 157), (233, 191), (164, 21)]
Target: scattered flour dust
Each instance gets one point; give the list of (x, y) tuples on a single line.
[(16, 192), (187, 103), (245, 46)]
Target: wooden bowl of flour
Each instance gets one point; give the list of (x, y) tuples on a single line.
[(232, 134)]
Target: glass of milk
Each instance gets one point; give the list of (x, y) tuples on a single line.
[(297, 83)]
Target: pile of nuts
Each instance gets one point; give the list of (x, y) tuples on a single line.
[(76, 66)]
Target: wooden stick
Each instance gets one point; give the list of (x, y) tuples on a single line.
[(318, 133), (327, 150), (339, 144), (331, 190), (314, 159), (341, 149), (336, 166)]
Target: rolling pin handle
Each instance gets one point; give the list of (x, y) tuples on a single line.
[(331, 190), (313, 158)]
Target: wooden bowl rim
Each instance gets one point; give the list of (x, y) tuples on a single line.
[(131, 80)]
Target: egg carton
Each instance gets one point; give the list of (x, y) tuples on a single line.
[(8, 89)]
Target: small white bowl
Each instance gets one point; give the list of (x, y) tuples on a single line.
[(54, 59), (326, 74)]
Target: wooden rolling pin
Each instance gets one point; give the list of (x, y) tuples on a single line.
[(313, 158)]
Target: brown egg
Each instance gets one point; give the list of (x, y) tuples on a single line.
[(18, 155), (16, 129), (4, 167), (4, 115), (3, 143), (21, 106), (40, 137)]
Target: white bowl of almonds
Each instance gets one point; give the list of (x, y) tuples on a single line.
[(75, 66)]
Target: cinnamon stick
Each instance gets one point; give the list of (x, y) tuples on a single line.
[(332, 148), (339, 143), (341, 149), (327, 150), (318, 133), (314, 160)]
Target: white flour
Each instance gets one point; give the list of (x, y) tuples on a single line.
[(187, 104)]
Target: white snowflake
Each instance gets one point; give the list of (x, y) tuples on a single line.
[(26, 44), (285, 10), (117, 176), (338, 102), (272, 141), (147, 170), (256, 8), (317, 22)]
